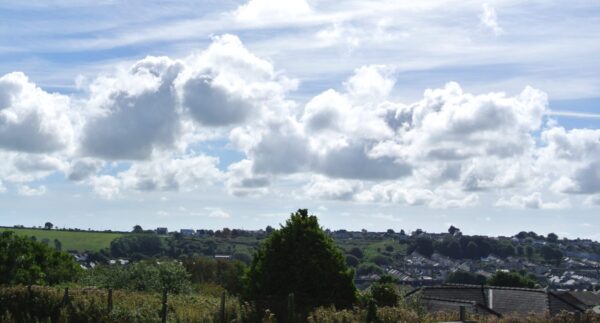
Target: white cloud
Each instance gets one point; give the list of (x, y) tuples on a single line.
[(215, 212), (532, 201), (32, 120), (134, 113), (448, 149), (105, 186), (31, 191), (262, 12), (489, 19), (323, 188)]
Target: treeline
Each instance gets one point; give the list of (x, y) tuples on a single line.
[(141, 246), (476, 247)]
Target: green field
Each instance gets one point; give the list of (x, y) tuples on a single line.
[(71, 240)]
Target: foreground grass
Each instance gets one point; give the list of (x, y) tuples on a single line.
[(71, 240), (44, 304)]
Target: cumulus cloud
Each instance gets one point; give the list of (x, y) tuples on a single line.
[(135, 112), (84, 168), (31, 119), (25, 190), (532, 201), (448, 149)]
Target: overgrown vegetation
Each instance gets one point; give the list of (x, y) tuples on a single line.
[(24, 261)]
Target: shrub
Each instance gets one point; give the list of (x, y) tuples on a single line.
[(24, 261)]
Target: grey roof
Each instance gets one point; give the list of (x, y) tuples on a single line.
[(585, 299), (502, 300)]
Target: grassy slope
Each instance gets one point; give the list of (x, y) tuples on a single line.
[(81, 241)]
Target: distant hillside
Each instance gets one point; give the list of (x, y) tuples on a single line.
[(70, 240)]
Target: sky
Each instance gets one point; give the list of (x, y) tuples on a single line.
[(372, 114)]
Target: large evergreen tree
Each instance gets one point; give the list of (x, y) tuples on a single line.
[(300, 258)]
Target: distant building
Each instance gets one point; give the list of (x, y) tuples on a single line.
[(493, 300), (162, 230), (224, 257), (187, 232)]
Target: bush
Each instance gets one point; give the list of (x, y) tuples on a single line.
[(24, 261), (352, 261), (511, 279), (368, 268), (465, 277), (385, 293), (140, 276), (227, 273)]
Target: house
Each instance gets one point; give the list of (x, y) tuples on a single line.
[(187, 232), (161, 230), (495, 300), (586, 300)]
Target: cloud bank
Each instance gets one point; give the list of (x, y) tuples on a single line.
[(142, 128)]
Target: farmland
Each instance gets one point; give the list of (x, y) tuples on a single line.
[(71, 240)]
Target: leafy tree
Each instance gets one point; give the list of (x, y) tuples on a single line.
[(452, 230), (24, 261), (356, 252), (381, 260), (529, 251), (227, 273), (385, 292), (300, 258), (465, 277), (137, 229), (138, 246), (552, 238), (367, 269), (243, 257), (352, 261), (422, 245), (511, 279), (48, 225), (551, 254)]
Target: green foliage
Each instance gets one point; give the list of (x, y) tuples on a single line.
[(140, 276), (552, 238), (352, 261), (511, 279), (70, 240), (551, 254), (368, 268), (356, 252), (385, 292), (300, 258), (465, 277), (90, 305), (24, 261), (137, 246), (422, 245), (227, 273)]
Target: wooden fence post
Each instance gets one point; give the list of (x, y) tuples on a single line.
[(163, 313), (461, 314), (66, 299), (291, 311), (222, 309), (109, 307)]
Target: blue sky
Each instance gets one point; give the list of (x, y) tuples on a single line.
[(372, 114)]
